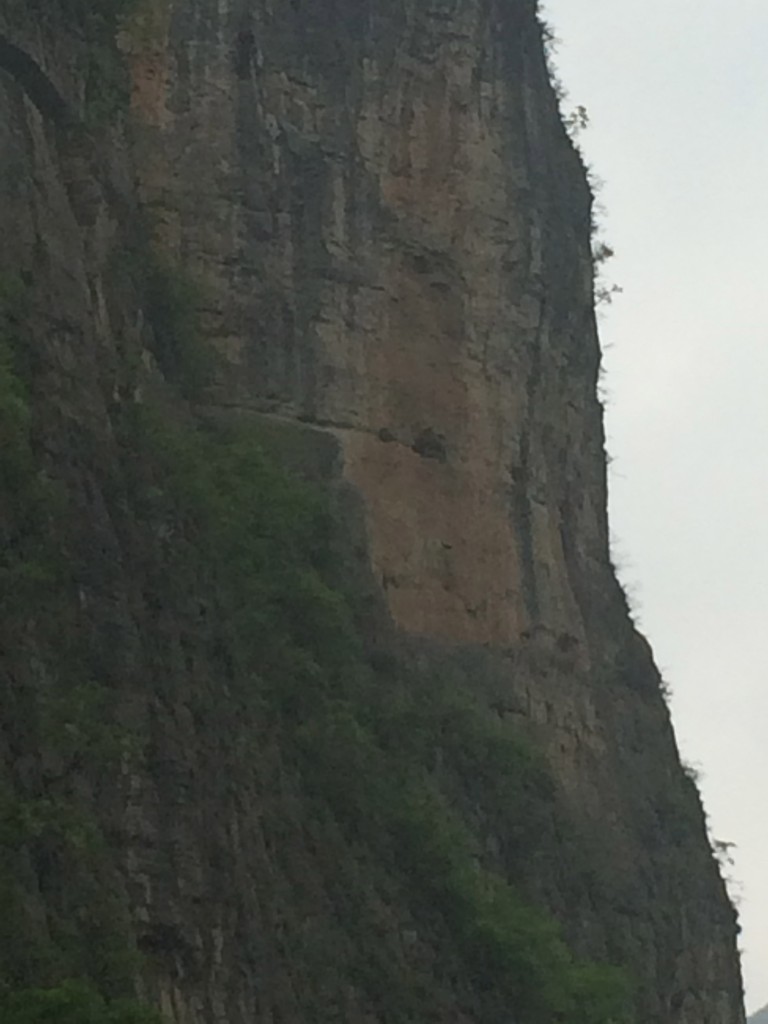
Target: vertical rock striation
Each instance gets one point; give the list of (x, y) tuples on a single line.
[(388, 231), (394, 231)]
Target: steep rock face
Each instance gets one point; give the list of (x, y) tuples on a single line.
[(388, 234), (400, 208)]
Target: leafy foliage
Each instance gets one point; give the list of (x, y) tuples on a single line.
[(170, 304), (71, 1003), (397, 806), (14, 408), (101, 66), (26, 494), (408, 766), (385, 754)]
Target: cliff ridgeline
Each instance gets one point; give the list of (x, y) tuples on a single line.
[(320, 700)]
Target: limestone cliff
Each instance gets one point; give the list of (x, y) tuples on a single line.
[(358, 231)]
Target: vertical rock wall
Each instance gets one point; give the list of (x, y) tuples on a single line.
[(394, 233), (388, 231)]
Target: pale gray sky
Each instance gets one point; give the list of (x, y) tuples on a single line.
[(677, 94)]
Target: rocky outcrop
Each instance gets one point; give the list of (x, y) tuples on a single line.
[(384, 231), (402, 210)]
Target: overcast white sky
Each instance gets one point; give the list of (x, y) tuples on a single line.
[(677, 94)]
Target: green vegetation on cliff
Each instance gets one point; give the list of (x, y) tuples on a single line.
[(368, 745), (26, 560), (70, 1003), (384, 755), (400, 763)]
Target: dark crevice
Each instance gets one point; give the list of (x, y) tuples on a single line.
[(522, 480), (32, 79), (521, 515), (430, 445)]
